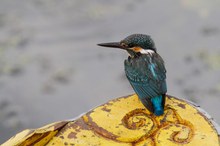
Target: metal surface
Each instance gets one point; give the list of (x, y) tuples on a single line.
[(125, 121)]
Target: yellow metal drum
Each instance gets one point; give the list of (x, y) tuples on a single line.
[(126, 122)]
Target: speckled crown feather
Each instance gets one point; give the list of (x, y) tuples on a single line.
[(141, 40)]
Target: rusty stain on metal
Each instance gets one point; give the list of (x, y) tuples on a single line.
[(125, 122), (72, 135), (106, 109), (182, 105), (99, 130)]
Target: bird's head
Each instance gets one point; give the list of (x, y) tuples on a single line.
[(135, 44)]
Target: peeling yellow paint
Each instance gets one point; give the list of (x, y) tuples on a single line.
[(126, 122)]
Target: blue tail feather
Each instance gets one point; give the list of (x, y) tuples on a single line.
[(157, 104)]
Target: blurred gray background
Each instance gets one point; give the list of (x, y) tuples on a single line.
[(51, 68)]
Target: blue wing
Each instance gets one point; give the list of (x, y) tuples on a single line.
[(147, 76)]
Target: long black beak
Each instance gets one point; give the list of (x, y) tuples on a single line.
[(112, 45)]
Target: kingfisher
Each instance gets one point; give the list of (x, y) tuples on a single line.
[(145, 70)]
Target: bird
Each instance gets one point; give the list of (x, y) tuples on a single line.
[(145, 70)]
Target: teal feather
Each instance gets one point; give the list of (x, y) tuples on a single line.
[(147, 76), (157, 104)]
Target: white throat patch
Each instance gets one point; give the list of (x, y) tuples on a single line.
[(148, 51)]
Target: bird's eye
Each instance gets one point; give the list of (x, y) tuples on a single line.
[(130, 45)]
